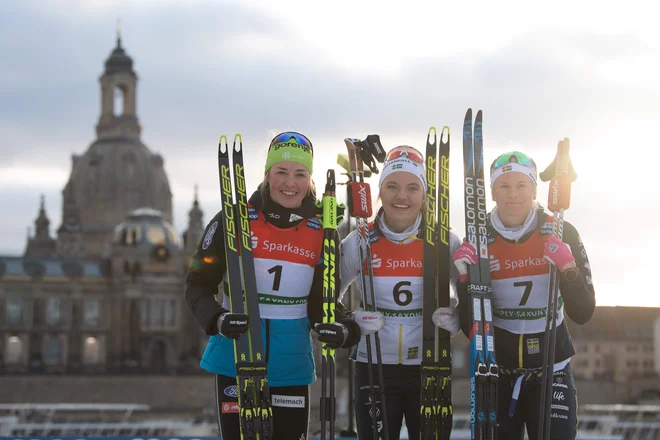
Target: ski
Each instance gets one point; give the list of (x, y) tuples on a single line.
[(436, 408), (360, 208), (255, 411), (330, 246), (484, 372), (561, 174)]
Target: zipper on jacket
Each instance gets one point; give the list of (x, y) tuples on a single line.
[(400, 343), (267, 341)]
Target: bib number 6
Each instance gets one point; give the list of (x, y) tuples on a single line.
[(402, 296)]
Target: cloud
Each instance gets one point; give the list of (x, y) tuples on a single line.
[(207, 68)]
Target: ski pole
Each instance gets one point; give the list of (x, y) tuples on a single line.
[(328, 371), (560, 173)]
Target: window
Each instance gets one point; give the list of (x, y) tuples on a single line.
[(91, 351), (118, 101), (53, 310), (156, 312), (14, 310), (630, 329), (173, 238), (156, 234), (144, 313), (53, 350), (92, 312), (170, 313), (13, 350)]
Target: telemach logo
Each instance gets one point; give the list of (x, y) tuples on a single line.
[(288, 401)]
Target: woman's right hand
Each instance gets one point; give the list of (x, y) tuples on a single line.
[(232, 325), (466, 254)]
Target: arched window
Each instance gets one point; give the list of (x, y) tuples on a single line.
[(118, 101), (53, 310), (53, 350), (14, 310), (92, 312), (13, 350), (91, 351)]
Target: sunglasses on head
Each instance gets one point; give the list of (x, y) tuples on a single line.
[(288, 135), (405, 151), (513, 156)]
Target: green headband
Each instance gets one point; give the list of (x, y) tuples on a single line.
[(289, 152)]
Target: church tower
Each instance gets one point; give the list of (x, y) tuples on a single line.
[(41, 245), (118, 174), (118, 87)]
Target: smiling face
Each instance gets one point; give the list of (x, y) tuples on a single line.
[(402, 195), (288, 183), (514, 193)]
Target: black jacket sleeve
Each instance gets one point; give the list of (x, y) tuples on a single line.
[(206, 271), (579, 294)]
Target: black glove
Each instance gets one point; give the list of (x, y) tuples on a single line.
[(332, 334), (232, 325)]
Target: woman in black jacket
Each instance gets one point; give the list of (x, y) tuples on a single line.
[(521, 248)]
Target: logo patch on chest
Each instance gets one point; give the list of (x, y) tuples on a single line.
[(533, 346)]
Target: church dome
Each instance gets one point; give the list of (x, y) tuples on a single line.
[(115, 176), (119, 61), (146, 228)]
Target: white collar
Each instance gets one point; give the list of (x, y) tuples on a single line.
[(517, 232)]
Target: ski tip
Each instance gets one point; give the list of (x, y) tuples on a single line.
[(479, 114), (429, 142), (445, 129), (239, 137), (468, 113), (223, 146)]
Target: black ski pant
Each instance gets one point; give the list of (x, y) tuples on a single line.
[(290, 410), (402, 393), (563, 411)]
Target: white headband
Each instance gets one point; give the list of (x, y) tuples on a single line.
[(513, 167), (402, 163)]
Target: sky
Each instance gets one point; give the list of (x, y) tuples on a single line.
[(540, 73)]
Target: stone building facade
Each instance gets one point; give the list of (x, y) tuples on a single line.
[(105, 295)]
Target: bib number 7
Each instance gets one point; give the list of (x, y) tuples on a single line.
[(528, 289)]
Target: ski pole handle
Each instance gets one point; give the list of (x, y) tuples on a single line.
[(561, 174), (560, 186), (359, 200)]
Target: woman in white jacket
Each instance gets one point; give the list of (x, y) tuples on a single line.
[(397, 259)]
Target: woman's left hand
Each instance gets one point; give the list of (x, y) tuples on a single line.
[(558, 253)]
